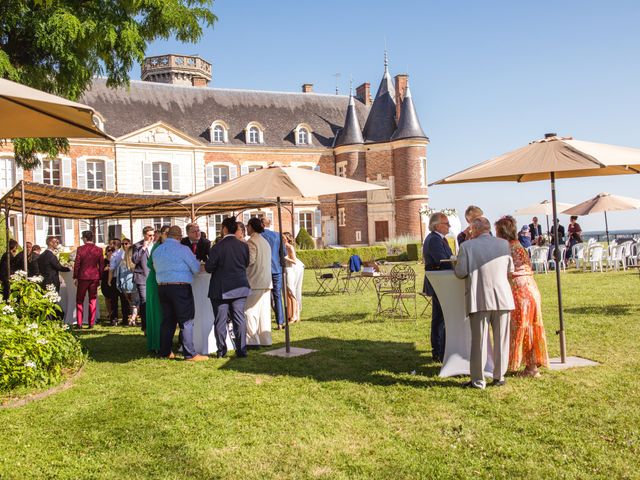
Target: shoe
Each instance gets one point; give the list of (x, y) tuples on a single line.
[(241, 355), (171, 356), (471, 385), (221, 355), (280, 326), (90, 327), (197, 358), (497, 383), (78, 326)]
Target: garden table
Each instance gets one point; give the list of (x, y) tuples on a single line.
[(204, 338), (450, 291)]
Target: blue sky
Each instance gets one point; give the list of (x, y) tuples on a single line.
[(486, 77)]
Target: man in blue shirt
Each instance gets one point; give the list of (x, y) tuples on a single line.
[(276, 271), (175, 266)]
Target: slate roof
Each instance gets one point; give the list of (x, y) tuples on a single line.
[(192, 110), (381, 122), (350, 134), (408, 124)]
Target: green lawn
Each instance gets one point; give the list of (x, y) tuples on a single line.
[(354, 409)]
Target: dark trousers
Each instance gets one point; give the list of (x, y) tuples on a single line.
[(276, 297), (84, 286), (6, 290), (223, 311), (437, 330), (116, 296), (178, 309), (142, 311)]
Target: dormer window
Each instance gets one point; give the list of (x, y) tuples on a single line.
[(254, 133), (219, 132), (303, 135)]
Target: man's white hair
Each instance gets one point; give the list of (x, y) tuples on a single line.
[(434, 220)]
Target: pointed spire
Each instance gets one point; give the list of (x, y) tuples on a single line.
[(381, 122), (350, 134), (408, 124)]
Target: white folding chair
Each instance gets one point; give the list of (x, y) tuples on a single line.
[(616, 258), (577, 254), (596, 253), (540, 259), (562, 250), (629, 258)]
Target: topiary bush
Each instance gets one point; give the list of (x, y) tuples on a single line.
[(35, 348), (304, 240)]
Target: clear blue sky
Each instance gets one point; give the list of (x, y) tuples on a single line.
[(486, 77)]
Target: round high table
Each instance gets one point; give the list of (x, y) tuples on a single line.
[(457, 351), (68, 301), (204, 337)]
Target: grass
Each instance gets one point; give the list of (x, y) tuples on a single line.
[(354, 409)]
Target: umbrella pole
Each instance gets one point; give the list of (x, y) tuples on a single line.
[(563, 344), (606, 228), (287, 339), (25, 260), (131, 226), (6, 237), (548, 231)]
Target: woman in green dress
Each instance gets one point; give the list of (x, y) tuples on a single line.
[(154, 310)]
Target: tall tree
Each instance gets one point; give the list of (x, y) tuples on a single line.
[(59, 45)]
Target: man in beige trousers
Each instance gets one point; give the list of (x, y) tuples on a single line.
[(485, 263)]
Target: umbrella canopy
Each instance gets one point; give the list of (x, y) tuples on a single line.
[(603, 202), (27, 112), (550, 158), (280, 182), (543, 208)]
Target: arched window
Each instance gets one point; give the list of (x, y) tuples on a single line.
[(218, 134), (254, 135), (303, 136)]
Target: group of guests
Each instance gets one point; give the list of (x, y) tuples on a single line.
[(500, 294), (531, 235)]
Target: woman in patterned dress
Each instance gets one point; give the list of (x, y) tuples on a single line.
[(528, 343)]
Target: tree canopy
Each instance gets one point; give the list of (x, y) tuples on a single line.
[(58, 46)]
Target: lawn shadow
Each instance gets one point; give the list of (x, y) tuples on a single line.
[(339, 318), (360, 361), (114, 347), (609, 310)]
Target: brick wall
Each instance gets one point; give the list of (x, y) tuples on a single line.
[(406, 168)]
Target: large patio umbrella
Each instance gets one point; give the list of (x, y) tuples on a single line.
[(278, 184), (547, 159), (545, 208), (604, 202), (27, 112)]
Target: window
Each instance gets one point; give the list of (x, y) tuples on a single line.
[(254, 135), (215, 223), (220, 174), (423, 171), (218, 134), (305, 219), (253, 168), (51, 172), (257, 215), (161, 176), (342, 218), (303, 136), (358, 235), (95, 175), (6, 173), (160, 222), (55, 227), (341, 169)]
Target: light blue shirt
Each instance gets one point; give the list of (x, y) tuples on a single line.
[(174, 262), (274, 242), (116, 258)]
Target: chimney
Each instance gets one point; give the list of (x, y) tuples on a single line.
[(307, 87), (401, 86), (363, 93)]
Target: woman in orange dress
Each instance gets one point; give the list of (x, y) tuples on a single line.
[(528, 343)]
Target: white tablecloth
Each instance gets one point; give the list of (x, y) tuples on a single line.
[(204, 338), (68, 300), (450, 292)]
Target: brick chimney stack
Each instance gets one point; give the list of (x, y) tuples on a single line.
[(307, 87), (363, 93), (401, 86)]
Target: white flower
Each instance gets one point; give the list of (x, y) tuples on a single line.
[(42, 341), (32, 326), (19, 275), (51, 295), (30, 364), (51, 287), (8, 310), (65, 327), (36, 279)]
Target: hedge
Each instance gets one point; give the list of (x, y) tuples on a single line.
[(329, 256), (414, 251)]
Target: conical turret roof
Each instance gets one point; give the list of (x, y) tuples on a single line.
[(350, 134), (408, 124), (381, 122)]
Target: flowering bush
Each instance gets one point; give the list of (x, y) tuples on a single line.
[(35, 347)]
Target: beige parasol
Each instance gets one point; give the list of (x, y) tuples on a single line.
[(27, 112), (550, 158), (276, 184), (545, 208), (604, 202)]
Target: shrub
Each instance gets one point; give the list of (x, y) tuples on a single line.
[(398, 245), (414, 251), (328, 256), (35, 349), (304, 240)]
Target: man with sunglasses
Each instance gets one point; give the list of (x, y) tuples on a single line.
[(435, 249), (116, 258), (140, 257)]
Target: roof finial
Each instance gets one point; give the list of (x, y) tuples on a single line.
[(386, 59), (351, 85), (337, 75)]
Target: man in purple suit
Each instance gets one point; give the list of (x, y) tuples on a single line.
[(87, 270), (436, 248)]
